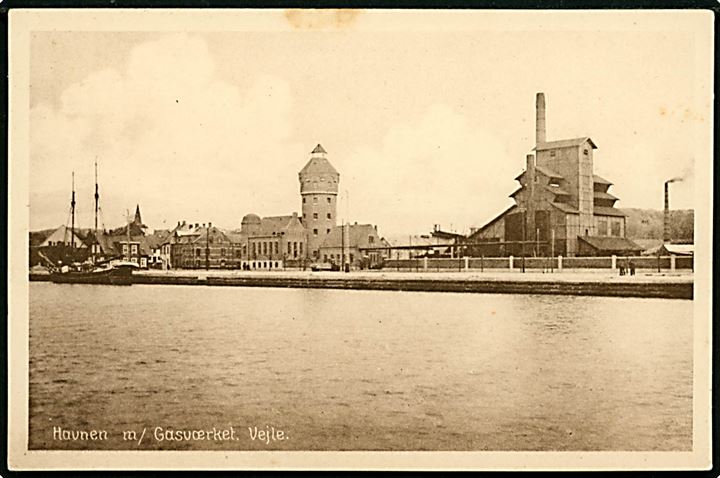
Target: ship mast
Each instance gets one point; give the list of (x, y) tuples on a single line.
[(72, 213), (97, 199)]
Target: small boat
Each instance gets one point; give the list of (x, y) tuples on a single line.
[(114, 274)]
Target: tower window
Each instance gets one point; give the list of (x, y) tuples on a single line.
[(552, 154), (315, 232), (329, 216), (329, 200), (315, 215), (304, 200), (314, 199), (328, 231), (585, 152)]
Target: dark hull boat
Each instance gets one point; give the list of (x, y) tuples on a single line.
[(92, 271), (116, 275)]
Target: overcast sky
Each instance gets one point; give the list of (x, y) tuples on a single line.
[(425, 127)]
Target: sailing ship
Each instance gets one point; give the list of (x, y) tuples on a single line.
[(94, 270)]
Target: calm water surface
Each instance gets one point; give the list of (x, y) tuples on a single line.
[(365, 370)]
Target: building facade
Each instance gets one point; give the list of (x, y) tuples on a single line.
[(357, 244), (560, 205)]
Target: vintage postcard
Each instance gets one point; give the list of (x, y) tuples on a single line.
[(354, 239)]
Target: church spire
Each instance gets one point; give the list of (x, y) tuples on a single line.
[(319, 150), (138, 219)]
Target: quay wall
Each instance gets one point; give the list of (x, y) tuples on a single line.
[(664, 289)]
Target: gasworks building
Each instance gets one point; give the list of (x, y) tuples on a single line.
[(561, 207)]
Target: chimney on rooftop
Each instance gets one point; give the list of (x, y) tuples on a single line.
[(540, 119)]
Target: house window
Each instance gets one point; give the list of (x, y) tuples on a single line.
[(276, 248), (125, 248), (602, 227), (315, 215), (301, 247), (197, 252), (222, 251), (329, 216), (315, 232), (585, 152), (288, 248), (615, 228), (371, 239), (552, 154), (351, 257)]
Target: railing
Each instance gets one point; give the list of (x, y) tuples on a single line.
[(662, 263)]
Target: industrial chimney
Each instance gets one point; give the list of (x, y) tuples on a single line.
[(539, 118), (666, 215)]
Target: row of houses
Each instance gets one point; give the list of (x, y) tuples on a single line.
[(261, 243)]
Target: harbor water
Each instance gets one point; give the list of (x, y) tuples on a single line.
[(356, 370)]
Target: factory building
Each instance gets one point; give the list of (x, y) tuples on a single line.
[(561, 207)]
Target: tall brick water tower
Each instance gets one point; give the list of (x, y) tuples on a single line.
[(318, 189)]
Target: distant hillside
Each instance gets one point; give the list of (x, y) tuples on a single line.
[(648, 224)]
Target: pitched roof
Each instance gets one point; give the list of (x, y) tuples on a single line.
[(680, 249), (319, 149), (158, 238), (599, 180), (608, 211), (565, 143), (606, 243), (359, 235), (63, 234), (274, 224), (493, 220), (566, 208), (557, 190), (603, 195), (544, 171), (212, 233), (317, 166)]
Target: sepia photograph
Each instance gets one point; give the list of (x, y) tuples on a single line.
[(357, 239)]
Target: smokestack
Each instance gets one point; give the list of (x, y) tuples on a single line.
[(530, 170), (666, 215), (539, 118)]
